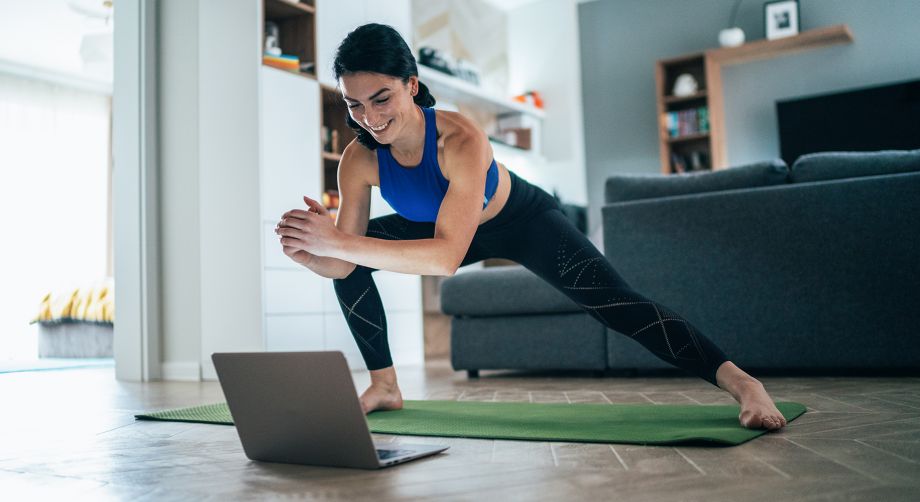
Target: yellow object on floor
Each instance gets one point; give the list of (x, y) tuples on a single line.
[(95, 303)]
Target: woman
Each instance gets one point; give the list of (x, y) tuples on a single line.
[(456, 205)]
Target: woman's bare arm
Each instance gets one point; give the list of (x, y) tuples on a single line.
[(469, 155), (354, 206)]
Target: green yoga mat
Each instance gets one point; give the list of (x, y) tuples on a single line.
[(652, 424)]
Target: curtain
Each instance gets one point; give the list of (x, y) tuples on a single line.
[(55, 193)]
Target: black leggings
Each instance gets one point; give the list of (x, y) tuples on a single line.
[(532, 231)]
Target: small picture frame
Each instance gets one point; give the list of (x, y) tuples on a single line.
[(781, 19)]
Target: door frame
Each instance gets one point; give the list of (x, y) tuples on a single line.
[(137, 336)]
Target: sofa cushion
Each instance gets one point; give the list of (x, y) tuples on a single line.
[(502, 291), (625, 187), (836, 165), (549, 341)]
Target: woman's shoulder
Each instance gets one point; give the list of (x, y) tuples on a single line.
[(359, 161), (460, 138), (455, 128)]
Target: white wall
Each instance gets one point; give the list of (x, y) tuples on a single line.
[(543, 54), (336, 18), (228, 154), (179, 182)]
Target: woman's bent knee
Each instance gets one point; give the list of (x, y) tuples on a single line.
[(356, 272)]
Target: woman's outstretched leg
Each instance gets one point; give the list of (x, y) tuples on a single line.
[(551, 247)]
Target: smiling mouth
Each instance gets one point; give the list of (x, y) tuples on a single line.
[(381, 128)]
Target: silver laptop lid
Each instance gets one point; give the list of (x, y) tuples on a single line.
[(296, 407)]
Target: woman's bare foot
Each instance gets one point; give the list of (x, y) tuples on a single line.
[(383, 394), (757, 409), (381, 397)]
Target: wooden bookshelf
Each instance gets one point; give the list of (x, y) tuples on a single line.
[(334, 111), (706, 68), (689, 137), (296, 30), (682, 99), (280, 9)]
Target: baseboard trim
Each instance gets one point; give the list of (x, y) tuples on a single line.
[(180, 371)]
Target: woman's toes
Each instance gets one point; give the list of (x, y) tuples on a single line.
[(774, 423), (750, 420)]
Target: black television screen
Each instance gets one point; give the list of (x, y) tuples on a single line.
[(885, 117)]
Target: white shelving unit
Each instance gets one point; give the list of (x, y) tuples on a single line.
[(447, 88), (460, 91)]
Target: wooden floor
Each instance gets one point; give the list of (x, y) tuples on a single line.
[(71, 434)]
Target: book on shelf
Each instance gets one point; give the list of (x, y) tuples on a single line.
[(677, 163), (282, 62), (330, 139), (692, 161), (686, 122)]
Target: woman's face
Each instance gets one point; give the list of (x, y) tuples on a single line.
[(381, 104)]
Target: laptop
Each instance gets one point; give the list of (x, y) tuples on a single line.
[(302, 408)]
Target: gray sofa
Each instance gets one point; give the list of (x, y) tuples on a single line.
[(816, 267)]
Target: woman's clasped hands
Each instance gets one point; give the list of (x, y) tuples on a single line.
[(305, 234)]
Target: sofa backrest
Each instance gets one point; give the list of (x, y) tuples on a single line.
[(836, 165), (626, 187)]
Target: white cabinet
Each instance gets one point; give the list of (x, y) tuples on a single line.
[(273, 257), (293, 291), (295, 332), (289, 168), (290, 149)]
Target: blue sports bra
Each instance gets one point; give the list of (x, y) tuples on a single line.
[(416, 193)]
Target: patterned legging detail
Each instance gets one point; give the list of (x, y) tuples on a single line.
[(550, 246)]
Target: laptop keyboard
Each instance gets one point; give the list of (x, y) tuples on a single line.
[(385, 454)]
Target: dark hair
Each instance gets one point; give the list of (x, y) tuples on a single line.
[(377, 48)]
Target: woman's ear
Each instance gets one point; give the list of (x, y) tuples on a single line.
[(413, 85)]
